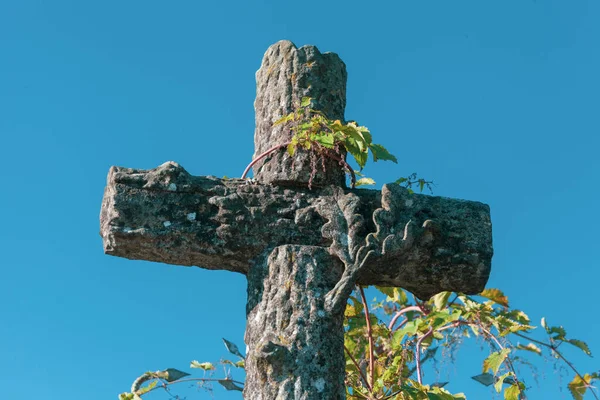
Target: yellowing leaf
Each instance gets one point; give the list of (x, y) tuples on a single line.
[(530, 347), (495, 360), (364, 181), (305, 102), (291, 149), (579, 386), (511, 393), (205, 365), (441, 299), (496, 296)]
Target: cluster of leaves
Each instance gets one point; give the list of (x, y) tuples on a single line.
[(326, 138), (387, 343), (385, 360)]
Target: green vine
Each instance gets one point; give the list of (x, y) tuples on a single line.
[(326, 138), (387, 344)]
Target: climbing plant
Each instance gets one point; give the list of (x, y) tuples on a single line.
[(324, 138), (388, 342)]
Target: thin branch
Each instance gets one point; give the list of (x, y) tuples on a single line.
[(369, 336), (261, 156), (362, 376), (418, 355), (559, 354), (508, 360), (164, 384)]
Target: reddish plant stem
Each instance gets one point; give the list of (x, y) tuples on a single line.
[(400, 313), (418, 356), (261, 156), (328, 153), (369, 336), (362, 376)]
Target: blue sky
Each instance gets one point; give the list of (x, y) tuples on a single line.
[(494, 101)]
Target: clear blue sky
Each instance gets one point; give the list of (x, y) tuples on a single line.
[(495, 101)]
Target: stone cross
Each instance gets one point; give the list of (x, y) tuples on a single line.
[(302, 251)]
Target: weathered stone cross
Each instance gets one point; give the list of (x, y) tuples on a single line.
[(303, 251)]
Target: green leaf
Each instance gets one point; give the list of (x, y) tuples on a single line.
[(364, 181), (558, 331), (410, 328), (495, 360), (171, 374), (232, 348), (512, 393), (146, 389), (421, 184), (581, 345), (326, 140), (400, 181), (205, 365), (500, 382), (578, 387), (380, 153), (351, 145), (230, 385), (126, 396), (305, 102), (485, 379), (496, 296), (441, 299), (291, 149), (284, 119)]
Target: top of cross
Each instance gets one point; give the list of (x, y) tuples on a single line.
[(286, 75)]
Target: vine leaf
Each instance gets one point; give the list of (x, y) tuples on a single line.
[(512, 393), (530, 347), (146, 389), (207, 366), (495, 360), (441, 299), (305, 102), (171, 374), (381, 153), (232, 348), (485, 379), (581, 345), (364, 181), (230, 385), (496, 295)]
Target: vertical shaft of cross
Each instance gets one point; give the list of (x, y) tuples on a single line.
[(287, 74)]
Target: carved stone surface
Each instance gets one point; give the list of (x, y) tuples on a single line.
[(170, 216), (287, 321), (286, 75), (303, 251)]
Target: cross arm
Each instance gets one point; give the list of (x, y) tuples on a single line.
[(167, 215), (425, 244)]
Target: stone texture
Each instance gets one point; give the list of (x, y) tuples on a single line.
[(285, 76), (287, 321), (167, 215)]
